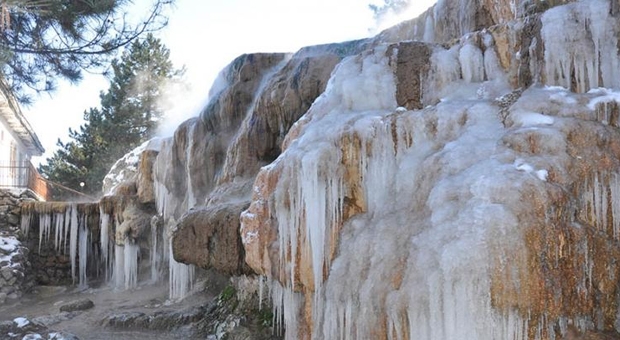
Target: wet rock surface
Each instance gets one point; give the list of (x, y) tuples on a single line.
[(77, 305), (22, 328), (215, 230), (236, 313), (211, 163), (219, 308)]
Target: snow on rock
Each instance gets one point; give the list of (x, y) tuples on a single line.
[(527, 119), (8, 245), (21, 322), (126, 169)]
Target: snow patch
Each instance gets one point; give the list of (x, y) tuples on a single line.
[(21, 322), (126, 167), (527, 119), (604, 96), (9, 244), (520, 165)]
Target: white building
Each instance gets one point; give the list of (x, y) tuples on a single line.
[(18, 144)]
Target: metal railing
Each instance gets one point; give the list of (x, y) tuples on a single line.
[(23, 176)]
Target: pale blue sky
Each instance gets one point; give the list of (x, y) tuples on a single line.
[(205, 35)]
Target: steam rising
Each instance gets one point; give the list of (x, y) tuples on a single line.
[(414, 8)]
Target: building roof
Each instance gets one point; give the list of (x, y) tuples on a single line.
[(17, 123)]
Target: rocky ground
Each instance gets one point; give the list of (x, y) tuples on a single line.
[(214, 311)]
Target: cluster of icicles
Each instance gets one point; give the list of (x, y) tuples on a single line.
[(72, 227)]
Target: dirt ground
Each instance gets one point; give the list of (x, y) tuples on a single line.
[(43, 304)]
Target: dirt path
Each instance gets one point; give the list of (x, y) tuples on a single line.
[(45, 302)]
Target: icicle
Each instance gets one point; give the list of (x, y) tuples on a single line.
[(45, 224), (59, 231), (286, 305), (576, 36), (614, 184), (472, 63), (83, 251), (154, 257), (104, 241), (261, 285), (73, 244), (191, 198), (181, 278), (119, 266), (26, 220), (429, 29), (130, 265), (66, 228)]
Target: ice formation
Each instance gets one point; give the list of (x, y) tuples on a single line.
[(465, 189), (66, 228), (489, 214), (581, 46), (104, 242), (87, 233), (130, 265), (181, 278)]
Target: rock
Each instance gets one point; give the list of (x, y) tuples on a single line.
[(450, 20), (31, 330), (201, 160), (329, 214), (13, 219), (146, 190), (135, 222), (411, 64), (77, 305), (214, 230), (62, 336), (126, 320), (50, 320)]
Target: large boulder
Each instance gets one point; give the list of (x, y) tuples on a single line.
[(215, 231)]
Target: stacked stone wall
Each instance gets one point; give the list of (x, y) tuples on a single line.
[(15, 268)]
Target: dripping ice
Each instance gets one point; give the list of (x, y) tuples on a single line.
[(449, 182)]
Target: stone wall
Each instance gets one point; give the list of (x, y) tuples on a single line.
[(48, 237), (49, 266), (15, 269)]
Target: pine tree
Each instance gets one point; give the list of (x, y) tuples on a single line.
[(43, 40), (130, 113)]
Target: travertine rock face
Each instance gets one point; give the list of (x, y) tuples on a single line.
[(454, 191), (411, 63), (135, 223), (452, 19), (454, 178), (212, 160), (191, 163), (146, 190), (214, 231)]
